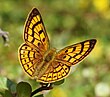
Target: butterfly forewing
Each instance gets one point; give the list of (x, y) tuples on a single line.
[(34, 33), (75, 53)]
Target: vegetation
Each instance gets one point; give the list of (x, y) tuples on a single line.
[(68, 22)]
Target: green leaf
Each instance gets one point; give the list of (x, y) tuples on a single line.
[(3, 83), (23, 89), (59, 82), (7, 94), (6, 84)]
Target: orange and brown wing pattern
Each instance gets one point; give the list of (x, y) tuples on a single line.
[(39, 61), (34, 33), (29, 58), (64, 59), (36, 43), (73, 54), (55, 72)]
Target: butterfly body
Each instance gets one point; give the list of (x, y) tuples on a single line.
[(42, 63), (49, 56), (46, 62)]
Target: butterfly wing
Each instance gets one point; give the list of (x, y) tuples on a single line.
[(29, 58), (34, 33), (31, 52), (65, 58), (75, 53), (55, 72)]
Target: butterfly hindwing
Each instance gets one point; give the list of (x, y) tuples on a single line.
[(34, 33), (55, 72), (75, 53), (29, 58)]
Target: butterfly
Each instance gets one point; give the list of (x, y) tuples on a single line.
[(43, 63)]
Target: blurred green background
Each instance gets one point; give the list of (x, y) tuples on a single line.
[(66, 22)]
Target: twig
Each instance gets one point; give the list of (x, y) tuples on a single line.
[(5, 37), (43, 87)]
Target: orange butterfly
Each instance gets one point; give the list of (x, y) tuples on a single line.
[(43, 63)]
